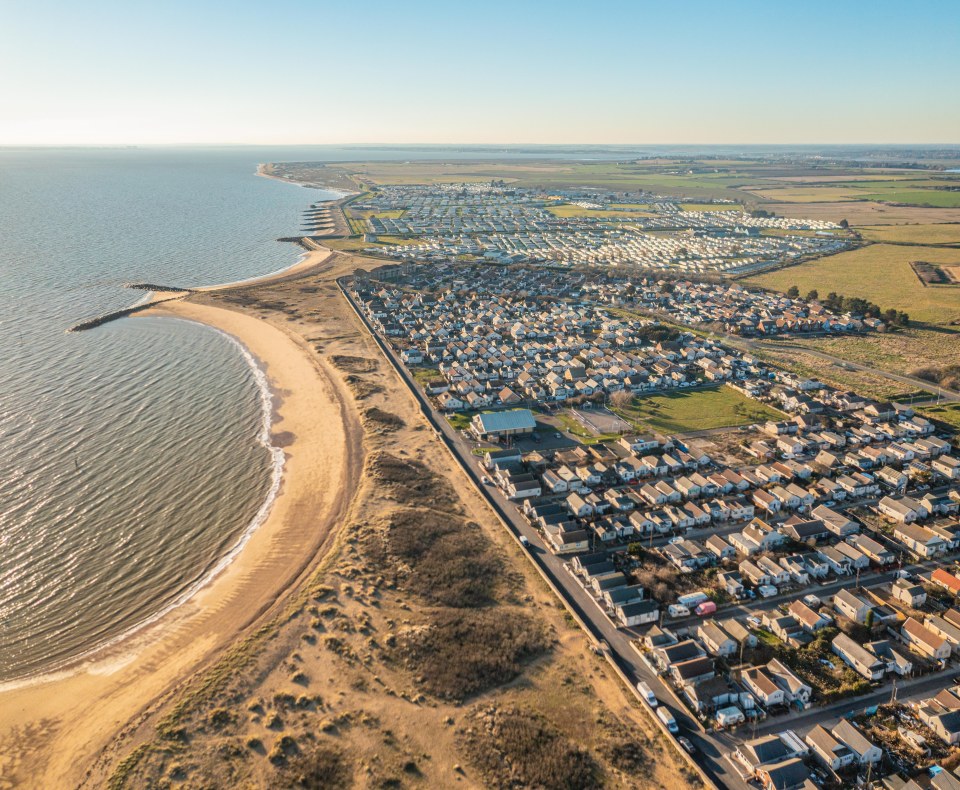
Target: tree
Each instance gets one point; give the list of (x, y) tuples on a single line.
[(621, 399), (793, 292), (813, 295), (844, 224)]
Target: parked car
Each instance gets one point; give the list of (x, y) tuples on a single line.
[(687, 745), (812, 601), (525, 541)]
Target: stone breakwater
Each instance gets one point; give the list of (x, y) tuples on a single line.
[(92, 323)]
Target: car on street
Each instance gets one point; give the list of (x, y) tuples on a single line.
[(687, 745)]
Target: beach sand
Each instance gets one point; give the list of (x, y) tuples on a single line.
[(51, 729)]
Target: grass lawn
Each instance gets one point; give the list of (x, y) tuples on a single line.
[(697, 410), (461, 420), (424, 375), (945, 412), (878, 272)]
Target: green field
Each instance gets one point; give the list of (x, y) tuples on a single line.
[(938, 198), (945, 233), (945, 412), (880, 273), (699, 410)]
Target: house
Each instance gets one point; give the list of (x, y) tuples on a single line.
[(717, 641), (908, 593), (852, 606), (790, 774), (943, 721), (794, 689), (946, 465), (828, 750), (835, 522), (945, 629), (804, 530), (920, 540), (770, 749), (898, 661), (903, 509), (810, 620), (946, 580), (638, 612), (720, 547), (874, 550), (924, 641), (761, 684), (858, 657), (693, 670), (865, 751)]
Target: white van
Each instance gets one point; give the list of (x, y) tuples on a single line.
[(647, 693), (667, 718)]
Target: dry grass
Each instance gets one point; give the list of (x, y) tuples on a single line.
[(880, 273)]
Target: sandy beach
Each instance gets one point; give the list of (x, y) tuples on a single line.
[(53, 727)]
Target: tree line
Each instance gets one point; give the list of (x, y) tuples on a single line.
[(855, 305)]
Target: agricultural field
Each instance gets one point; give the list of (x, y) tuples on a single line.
[(935, 198), (880, 273), (865, 212), (944, 233), (697, 410)]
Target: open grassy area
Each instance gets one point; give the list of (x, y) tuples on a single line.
[(945, 412), (425, 375), (938, 198), (944, 233), (878, 272), (697, 410)]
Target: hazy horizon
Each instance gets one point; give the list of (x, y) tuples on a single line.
[(301, 73)]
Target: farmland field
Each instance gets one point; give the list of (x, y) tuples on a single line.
[(937, 198), (945, 412), (944, 233), (878, 272), (697, 410), (865, 212)]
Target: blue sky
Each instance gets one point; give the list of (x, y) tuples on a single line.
[(104, 72)]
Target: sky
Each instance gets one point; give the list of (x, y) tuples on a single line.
[(107, 72)]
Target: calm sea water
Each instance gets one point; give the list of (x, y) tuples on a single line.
[(131, 457)]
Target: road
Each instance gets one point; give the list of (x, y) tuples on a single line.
[(711, 749)]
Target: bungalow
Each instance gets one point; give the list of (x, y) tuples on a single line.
[(761, 684), (578, 506), (874, 550), (856, 741), (903, 509), (920, 540), (858, 657), (732, 583), (943, 629), (717, 641), (944, 722), (924, 641), (835, 522), (794, 689), (908, 593), (693, 670), (852, 606), (638, 613), (946, 580), (720, 547), (828, 750), (809, 619)]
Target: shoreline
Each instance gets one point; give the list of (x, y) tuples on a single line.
[(340, 193), (310, 427)]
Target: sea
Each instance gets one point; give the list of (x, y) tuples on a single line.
[(135, 457)]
